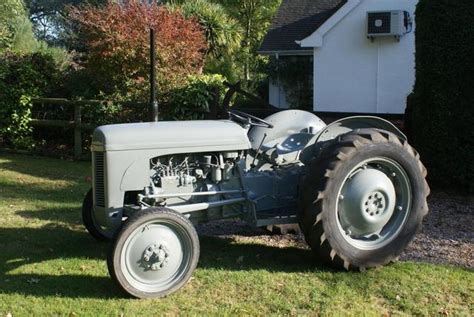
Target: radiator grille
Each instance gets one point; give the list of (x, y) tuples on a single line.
[(99, 179)]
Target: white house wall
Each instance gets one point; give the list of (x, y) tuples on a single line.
[(354, 74)]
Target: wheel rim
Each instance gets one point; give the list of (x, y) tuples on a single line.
[(156, 256), (374, 202)]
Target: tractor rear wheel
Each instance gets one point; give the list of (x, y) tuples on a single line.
[(154, 254), (363, 199), (88, 219)]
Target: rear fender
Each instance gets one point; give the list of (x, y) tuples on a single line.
[(344, 126)]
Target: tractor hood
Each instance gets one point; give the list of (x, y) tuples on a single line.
[(200, 134)]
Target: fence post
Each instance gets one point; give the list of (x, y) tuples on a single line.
[(77, 131)]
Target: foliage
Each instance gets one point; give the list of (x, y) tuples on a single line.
[(48, 18), (16, 33), (11, 13), (18, 130), (255, 18), (117, 37), (223, 33), (200, 94), (23, 40), (21, 77), (442, 116), (295, 75)]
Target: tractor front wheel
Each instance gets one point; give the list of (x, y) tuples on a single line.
[(363, 199), (154, 254), (88, 218)]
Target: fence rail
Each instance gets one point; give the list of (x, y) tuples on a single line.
[(76, 124), (79, 127)]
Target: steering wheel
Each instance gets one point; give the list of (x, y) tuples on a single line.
[(246, 118)]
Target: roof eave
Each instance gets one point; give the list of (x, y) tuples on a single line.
[(308, 51), (316, 38)]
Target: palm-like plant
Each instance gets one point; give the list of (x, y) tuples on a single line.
[(223, 33)]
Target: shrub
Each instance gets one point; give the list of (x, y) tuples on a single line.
[(21, 77), (116, 39), (11, 14), (442, 116), (194, 100)]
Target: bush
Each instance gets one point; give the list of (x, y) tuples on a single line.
[(116, 39), (22, 77), (11, 14), (197, 98), (442, 116)]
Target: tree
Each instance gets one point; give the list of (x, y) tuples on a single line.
[(11, 14), (48, 17), (117, 37), (255, 17), (223, 34), (16, 33)]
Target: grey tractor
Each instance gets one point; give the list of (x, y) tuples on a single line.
[(355, 186)]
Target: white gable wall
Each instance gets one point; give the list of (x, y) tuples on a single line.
[(354, 74)]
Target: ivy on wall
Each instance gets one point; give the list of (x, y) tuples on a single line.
[(295, 75)]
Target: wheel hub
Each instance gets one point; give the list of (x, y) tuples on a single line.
[(155, 256), (366, 203)]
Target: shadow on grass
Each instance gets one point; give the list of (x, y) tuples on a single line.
[(22, 246), (28, 246), (68, 286), (41, 193), (225, 253), (35, 247), (61, 215), (48, 168)]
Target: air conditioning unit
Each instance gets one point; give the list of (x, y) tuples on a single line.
[(388, 23)]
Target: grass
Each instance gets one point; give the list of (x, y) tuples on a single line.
[(50, 265)]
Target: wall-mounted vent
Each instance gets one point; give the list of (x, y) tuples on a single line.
[(388, 23)]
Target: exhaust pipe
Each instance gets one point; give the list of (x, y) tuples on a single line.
[(153, 101)]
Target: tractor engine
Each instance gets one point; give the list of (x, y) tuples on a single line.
[(174, 176)]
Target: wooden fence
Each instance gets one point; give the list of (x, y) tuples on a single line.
[(76, 124), (216, 111)]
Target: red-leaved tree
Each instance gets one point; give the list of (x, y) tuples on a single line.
[(116, 39)]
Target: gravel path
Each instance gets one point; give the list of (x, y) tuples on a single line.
[(447, 236)]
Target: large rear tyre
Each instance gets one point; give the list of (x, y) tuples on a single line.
[(88, 218), (154, 254), (363, 199)]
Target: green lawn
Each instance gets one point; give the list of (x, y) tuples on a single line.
[(50, 265)]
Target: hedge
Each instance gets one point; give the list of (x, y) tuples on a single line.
[(442, 114), (22, 77)]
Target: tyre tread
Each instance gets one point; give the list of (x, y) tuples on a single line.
[(322, 168)]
